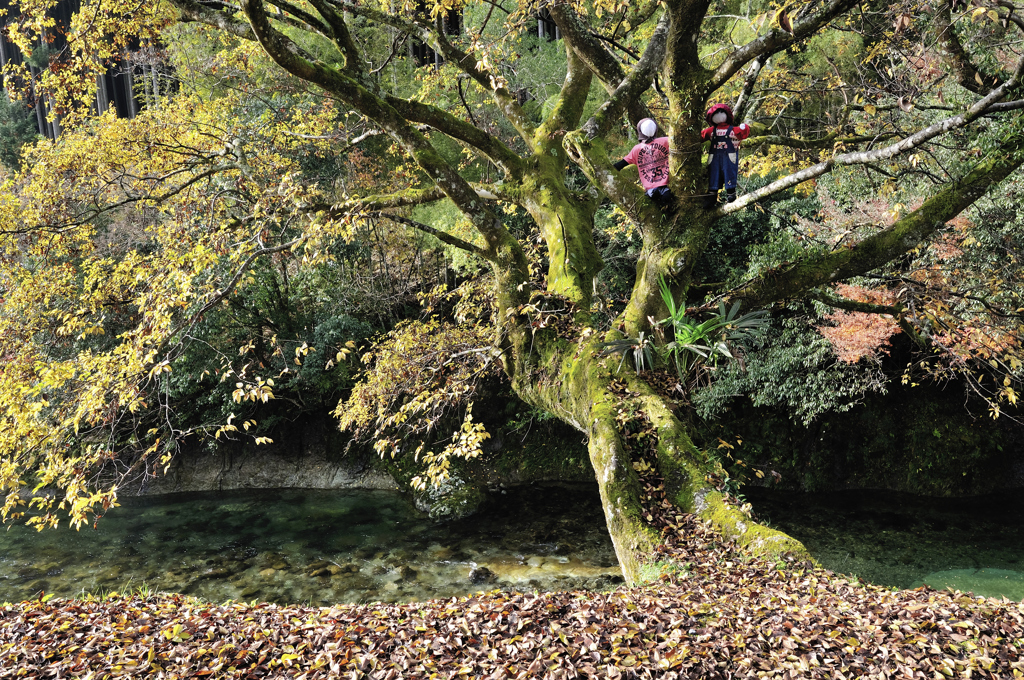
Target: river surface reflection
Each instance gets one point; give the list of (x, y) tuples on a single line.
[(890, 539), (318, 547)]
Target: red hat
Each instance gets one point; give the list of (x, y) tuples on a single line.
[(725, 108)]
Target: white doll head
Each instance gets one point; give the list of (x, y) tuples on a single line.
[(719, 114)]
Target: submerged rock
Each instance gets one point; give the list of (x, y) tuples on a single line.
[(453, 499), (481, 575), (216, 572)]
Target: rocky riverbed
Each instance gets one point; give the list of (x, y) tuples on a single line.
[(318, 547)]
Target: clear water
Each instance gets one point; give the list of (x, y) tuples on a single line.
[(318, 547), (970, 544)]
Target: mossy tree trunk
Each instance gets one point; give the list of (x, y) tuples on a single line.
[(569, 378), (554, 363)]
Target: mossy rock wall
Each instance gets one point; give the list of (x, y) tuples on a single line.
[(919, 440), (310, 452)]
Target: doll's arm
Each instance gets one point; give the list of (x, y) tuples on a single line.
[(739, 133)]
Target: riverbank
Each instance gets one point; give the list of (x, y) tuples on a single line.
[(718, 613)]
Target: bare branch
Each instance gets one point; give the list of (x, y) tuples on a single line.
[(776, 40), (438, 234), (859, 157), (193, 11)]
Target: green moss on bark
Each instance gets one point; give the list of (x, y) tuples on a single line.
[(737, 526)]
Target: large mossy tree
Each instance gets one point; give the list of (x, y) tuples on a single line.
[(688, 54)]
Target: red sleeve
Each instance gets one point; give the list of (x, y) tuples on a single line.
[(741, 131), (705, 134)]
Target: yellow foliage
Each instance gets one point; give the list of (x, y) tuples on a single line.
[(465, 444), (114, 242), (421, 372)]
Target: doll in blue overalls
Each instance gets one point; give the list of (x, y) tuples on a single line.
[(725, 153)]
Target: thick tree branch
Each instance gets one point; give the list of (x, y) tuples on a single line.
[(965, 72), (305, 20), (571, 99), (882, 247), (591, 156), (855, 306), (897, 312), (776, 40), (402, 199), (342, 38), (687, 19), (631, 87), (594, 54), (1006, 106), (192, 11), (509, 161), (442, 236)]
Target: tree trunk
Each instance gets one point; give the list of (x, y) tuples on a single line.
[(635, 426)]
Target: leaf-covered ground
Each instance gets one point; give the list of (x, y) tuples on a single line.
[(721, 615)]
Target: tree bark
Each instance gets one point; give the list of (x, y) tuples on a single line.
[(573, 381)]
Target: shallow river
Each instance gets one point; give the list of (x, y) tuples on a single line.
[(323, 547), (318, 547), (972, 544)]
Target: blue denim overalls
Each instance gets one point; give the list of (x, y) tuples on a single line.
[(725, 160)]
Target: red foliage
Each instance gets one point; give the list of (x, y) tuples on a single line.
[(855, 335)]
